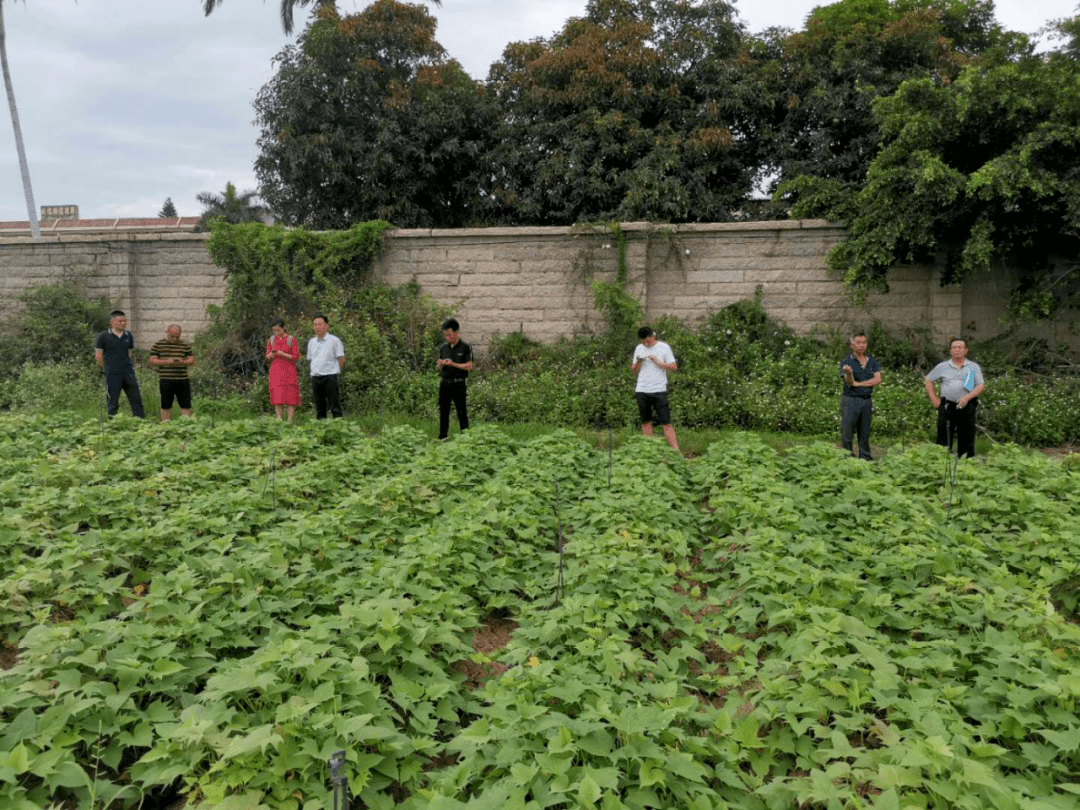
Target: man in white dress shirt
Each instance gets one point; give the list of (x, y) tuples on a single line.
[(326, 361)]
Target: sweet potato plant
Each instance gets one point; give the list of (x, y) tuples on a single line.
[(201, 615)]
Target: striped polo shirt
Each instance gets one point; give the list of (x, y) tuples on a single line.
[(165, 350)]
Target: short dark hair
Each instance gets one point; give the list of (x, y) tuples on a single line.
[(279, 322), (452, 324), (117, 313), (320, 315), (953, 340), (645, 332), (857, 334)]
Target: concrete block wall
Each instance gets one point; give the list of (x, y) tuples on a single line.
[(156, 278), (538, 280), (500, 280)]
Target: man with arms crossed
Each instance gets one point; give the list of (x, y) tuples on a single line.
[(171, 358), (961, 383), (861, 373), (113, 352), (326, 361), (652, 361)]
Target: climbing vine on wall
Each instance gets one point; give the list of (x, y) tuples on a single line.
[(271, 271)]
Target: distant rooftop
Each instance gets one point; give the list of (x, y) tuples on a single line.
[(119, 224)]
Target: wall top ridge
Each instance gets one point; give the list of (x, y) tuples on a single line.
[(99, 237), (562, 231), (110, 224)]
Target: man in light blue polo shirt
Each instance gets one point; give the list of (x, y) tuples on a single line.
[(961, 383), (326, 361)]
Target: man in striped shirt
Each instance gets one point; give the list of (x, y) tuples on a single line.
[(171, 358)]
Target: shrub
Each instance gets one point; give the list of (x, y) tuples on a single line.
[(59, 322), (51, 337), (1030, 412)]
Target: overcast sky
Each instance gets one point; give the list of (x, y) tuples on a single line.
[(126, 102)]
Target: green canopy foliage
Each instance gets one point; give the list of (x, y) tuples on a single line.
[(822, 81), (923, 124), (631, 112), (56, 322), (982, 171), (367, 119)]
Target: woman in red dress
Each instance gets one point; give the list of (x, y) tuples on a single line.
[(282, 350)]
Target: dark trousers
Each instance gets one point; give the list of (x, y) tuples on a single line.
[(452, 392), (959, 424), (326, 394), (124, 381), (855, 416)]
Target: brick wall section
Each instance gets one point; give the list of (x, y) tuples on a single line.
[(535, 279), (157, 278), (505, 279)]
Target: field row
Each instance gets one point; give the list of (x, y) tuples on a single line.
[(211, 612)]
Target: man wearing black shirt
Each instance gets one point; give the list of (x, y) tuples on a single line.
[(861, 373), (113, 352), (454, 364)]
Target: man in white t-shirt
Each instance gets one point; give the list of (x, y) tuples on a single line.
[(653, 359)]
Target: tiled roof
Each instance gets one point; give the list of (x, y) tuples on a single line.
[(143, 223)]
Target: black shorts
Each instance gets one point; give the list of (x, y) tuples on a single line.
[(181, 389), (653, 403)]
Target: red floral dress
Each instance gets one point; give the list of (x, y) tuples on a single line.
[(284, 388)]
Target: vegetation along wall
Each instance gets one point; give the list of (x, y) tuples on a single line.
[(535, 279)]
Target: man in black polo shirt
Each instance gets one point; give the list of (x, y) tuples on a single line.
[(454, 364), (113, 351), (861, 373)]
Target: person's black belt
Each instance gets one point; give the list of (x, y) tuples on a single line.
[(454, 379), (858, 396)]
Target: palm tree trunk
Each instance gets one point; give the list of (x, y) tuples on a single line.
[(24, 167)]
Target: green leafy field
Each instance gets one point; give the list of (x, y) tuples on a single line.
[(211, 612)]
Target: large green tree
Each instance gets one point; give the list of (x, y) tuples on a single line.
[(630, 112), (821, 82), (367, 119), (982, 171), (24, 167)]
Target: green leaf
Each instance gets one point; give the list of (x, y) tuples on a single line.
[(250, 800), (523, 774), (258, 739), (1068, 740), (18, 759), (650, 774), (70, 775), (684, 765), (746, 733), (588, 791)]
